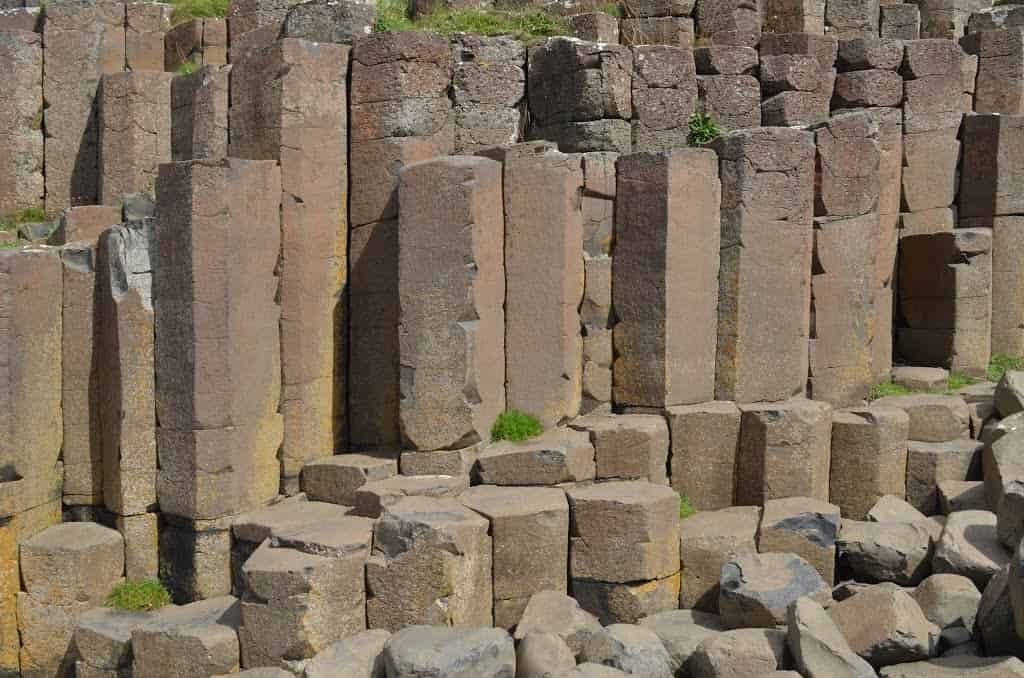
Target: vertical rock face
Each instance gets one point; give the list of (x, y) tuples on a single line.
[(299, 118), (199, 114), (135, 132), (21, 109), (992, 170), (795, 16), (451, 279), (729, 22), (127, 411), (901, 21), (705, 439), (798, 78), (489, 87), (784, 451), (764, 283), (217, 349), (946, 299), (1008, 285), (664, 96), (83, 41), (146, 24), (30, 392), (868, 458), (545, 274), (665, 270), (80, 395), (1000, 83)]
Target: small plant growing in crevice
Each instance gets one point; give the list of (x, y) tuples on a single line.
[(887, 388), (185, 10), (1001, 364), (703, 129), (186, 68), (685, 507), (958, 381), (516, 426), (146, 594)]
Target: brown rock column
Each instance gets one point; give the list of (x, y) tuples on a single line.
[(795, 16), (83, 41), (291, 106), (394, 75), (664, 276), (729, 22), (451, 284), (598, 205), (203, 42), (199, 114), (545, 274), (146, 24), (217, 346), (845, 234), (135, 132), (1000, 83), (664, 96), (489, 90), (797, 78), (21, 115), (868, 458), (764, 282)]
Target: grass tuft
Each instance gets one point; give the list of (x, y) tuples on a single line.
[(527, 24), (515, 426), (685, 507), (957, 381), (187, 68), (1001, 364), (185, 10), (27, 216), (703, 129), (147, 594), (887, 388)]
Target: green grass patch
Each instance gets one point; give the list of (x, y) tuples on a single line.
[(685, 507), (10, 244), (1001, 364), (703, 129), (526, 24), (26, 216), (887, 388), (147, 594), (515, 426), (187, 68), (185, 10), (957, 381)]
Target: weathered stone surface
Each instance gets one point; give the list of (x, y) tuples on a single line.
[(1010, 514), (741, 652), (145, 26), (976, 667), (933, 418), (544, 269), (784, 451), (789, 72), (439, 462), (529, 530), (554, 612), (885, 552), (756, 589), (575, 81), (1009, 393), (824, 47), (141, 545), (84, 40), (358, 656), (664, 96), (671, 31), (1000, 82), (218, 355), (818, 646), (618, 603), (594, 27), (30, 391), (195, 558), (623, 531), (991, 170), (1008, 318), (705, 441), (541, 654), (10, 585), (727, 22), (658, 300), (199, 114), (336, 479), (21, 167), (929, 166), (899, 22), (85, 222), (867, 53), (995, 625), (948, 600), (970, 547), (198, 41), (852, 19), (373, 497), (961, 495), (431, 563), (930, 463), (725, 60), (103, 638), (868, 88), (284, 517), (629, 446), (453, 374), (489, 88), (134, 114), (884, 625), (733, 101), (127, 411), (708, 540), (893, 509), (920, 378), (868, 458), (794, 16), (423, 650), (337, 22), (763, 323), (559, 455), (803, 526), (592, 136), (633, 649), (681, 631), (190, 641)]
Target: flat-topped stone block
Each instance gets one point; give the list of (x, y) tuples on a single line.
[(193, 641), (373, 497), (556, 456), (336, 479)]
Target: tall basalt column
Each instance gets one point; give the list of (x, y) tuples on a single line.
[(21, 110), (217, 348), (291, 106), (135, 132), (83, 40), (544, 266), (665, 278), (764, 283), (451, 283), (199, 114)]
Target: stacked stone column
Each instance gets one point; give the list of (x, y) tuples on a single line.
[(727, 86), (797, 78), (396, 77), (199, 114), (845, 232), (729, 22), (489, 88), (21, 117), (217, 357), (300, 119), (658, 22), (901, 21), (146, 24), (598, 206), (203, 42), (664, 97), (580, 95), (794, 16)]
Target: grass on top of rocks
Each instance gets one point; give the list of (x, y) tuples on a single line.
[(185, 10), (147, 594), (525, 24), (686, 509), (703, 129), (26, 216), (1000, 364), (515, 426)]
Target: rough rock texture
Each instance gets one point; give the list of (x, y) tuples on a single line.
[(628, 446), (681, 631), (357, 656), (930, 463), (705, 441), (885, 552), (459, 653), (373, 497), (868, 458), (664, 96), (540, 654), (557, 613), (884, 625), (633, 649), (489, 88), (948, 600), (969, 546), (708, 540), (191, 641), (757, 589), (199, 114), (741, 652), (818, 646), (556, 456), (933, 418), (21, 169), (336, 479), (1000, 70)]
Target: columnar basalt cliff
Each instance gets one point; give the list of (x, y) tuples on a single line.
[(350, 337)]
